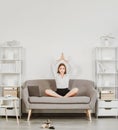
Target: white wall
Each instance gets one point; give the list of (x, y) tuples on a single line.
[(46, 28)]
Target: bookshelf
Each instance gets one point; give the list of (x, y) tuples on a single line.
[(106, 78), (11, 75)]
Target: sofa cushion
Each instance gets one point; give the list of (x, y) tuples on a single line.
[(83, 85), (53, 100), (34, 91), (43, 86)]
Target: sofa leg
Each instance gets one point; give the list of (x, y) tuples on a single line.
[(29, 114), (88, 113)]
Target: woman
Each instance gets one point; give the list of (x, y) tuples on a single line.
[(62, 81)]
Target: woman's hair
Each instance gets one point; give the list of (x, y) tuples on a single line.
[(60, 66)]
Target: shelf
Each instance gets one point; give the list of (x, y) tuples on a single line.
[(107, 86), (9, 72), (10, 86), (105, 73), (11, 47), (10, 60), (106, 47), (106, 78), (107, 100), (106, 60)]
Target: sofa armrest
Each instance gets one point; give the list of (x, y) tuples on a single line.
[(92, 93), (25, 96)]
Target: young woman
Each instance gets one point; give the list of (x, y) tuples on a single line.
[(62, 80)]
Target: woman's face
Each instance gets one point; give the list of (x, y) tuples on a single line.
[(62, 69)]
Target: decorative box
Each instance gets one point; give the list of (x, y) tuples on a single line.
[(107, 95), (10, 92)]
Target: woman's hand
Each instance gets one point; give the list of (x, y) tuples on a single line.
[(62, 58)]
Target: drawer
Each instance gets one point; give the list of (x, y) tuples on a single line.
[(108, 104), (107, 112), (10, 112), (11, 103)]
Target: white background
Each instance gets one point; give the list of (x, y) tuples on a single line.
[(46, 28)]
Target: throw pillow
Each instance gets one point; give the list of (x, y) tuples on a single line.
[(34, 91)]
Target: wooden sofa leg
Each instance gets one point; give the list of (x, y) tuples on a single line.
[(29, 114), (88, 113)]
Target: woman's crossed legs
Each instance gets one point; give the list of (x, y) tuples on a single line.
[(71, 93)]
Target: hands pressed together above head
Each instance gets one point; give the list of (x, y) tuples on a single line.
[(62, 58)]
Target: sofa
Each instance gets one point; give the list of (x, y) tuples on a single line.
[(34, 97)]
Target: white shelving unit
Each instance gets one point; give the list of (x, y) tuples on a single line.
[(10, 77), (106, 78)]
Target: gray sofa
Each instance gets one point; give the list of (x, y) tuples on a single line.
[(33, 94)]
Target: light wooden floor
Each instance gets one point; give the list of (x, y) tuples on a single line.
[(61, 123)]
